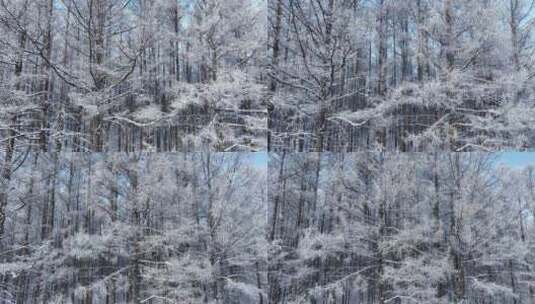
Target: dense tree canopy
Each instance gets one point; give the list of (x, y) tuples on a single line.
[(134, 228), (124, 126), (115, 75), (349, 75), (400, 228)]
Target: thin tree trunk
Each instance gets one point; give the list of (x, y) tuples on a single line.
[(276, 200), (6, 175), (46, 84)]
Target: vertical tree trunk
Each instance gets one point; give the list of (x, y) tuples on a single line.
[(10, 142), (421, 56), (456, 259), (382, 49), (52, 192), (97, 32), (275, 214), (275, 47), (134, 274), (88, 198), (513, 24), (382, 65), (259, 283), (317, 168), (176, 50), (114, 197), (449, 47), (46, 86), (513, 281), (327, 80), (6, 175), (381, 238), (449, 50), (514, 28), (31, 187), (405, 59)]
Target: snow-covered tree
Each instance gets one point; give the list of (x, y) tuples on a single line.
[(135, 228), (415, 75), (114, 75), (399, 228)]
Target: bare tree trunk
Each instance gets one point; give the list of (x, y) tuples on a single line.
[(379, 255), (96, 31), (6, 175), (421, 56), (10, 142), (513, 25), (177, 57), (134, 274), (275, 48), (382, 44), (259, 283), (327, 81), (405, 59), (46, 88), (382, 64), (449, 47), (456, 259), (277, 199)]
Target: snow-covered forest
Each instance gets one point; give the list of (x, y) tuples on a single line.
[(150, 151), (405, 228), (231, 228), (134, 228), (353, 75), (293, 75), (129, 75)]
